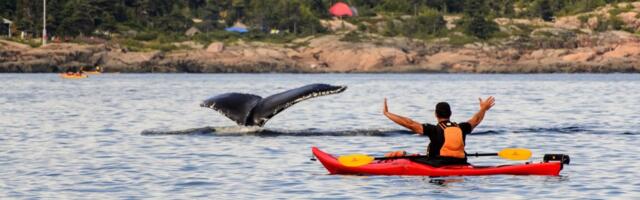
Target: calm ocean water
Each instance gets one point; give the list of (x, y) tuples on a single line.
[(81, 139)]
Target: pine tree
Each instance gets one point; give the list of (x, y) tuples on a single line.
[(475, 22), (211, 15), (54, 16), (544, 10), (7, 8), (78, 18), (27, 14)]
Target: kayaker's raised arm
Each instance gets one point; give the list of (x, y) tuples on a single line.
[(485, 105), (403, 121)]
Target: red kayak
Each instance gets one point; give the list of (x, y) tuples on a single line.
[(406, 167)]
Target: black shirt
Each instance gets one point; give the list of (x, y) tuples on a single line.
[(436, 136)]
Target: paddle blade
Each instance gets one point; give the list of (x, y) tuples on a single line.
[(515, 154), (355, 160)]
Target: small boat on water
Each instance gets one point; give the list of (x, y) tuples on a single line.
[(73, 76)]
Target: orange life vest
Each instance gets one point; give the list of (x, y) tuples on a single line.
[(453, 141)]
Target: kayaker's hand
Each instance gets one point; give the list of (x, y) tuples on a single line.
[(394, 154), (487, 104), (402, 121)]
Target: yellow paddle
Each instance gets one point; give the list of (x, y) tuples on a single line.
[(355, 160)]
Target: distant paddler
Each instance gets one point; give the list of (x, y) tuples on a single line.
[(73, 73), (97, 70)]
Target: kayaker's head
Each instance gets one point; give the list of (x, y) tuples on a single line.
[(443, 111)]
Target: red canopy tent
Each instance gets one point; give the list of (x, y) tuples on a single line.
[(341, 9)]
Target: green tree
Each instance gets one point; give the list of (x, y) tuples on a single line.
[(196, 5), (236, 12), (28, 17), (55, 16), (557, 5), (391, 28), (78, 18), (544, 10), (396, 6), (429, 22), (174, 22), (475, 22), (211, 15), (502, 8), (296, 17), (447, 6), (262, 14), (7, 8), (108, 14), (320, 7)]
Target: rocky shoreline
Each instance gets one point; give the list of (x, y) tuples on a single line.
[(565, 46), (599, 53), (605, 52)]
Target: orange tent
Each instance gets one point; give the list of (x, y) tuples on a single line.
[(341, 9)]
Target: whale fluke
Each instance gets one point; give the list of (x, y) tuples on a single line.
[(253, 110), (235, 106)]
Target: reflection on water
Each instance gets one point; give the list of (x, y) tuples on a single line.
[(132, 136)]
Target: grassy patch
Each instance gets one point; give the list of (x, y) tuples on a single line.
[(167, 44), (146, 36), (616, 23), (581, 7), (161, 46), (353, 36), (546, 34), (219, 35), (499, 35), (584, 18), (461, 39), (131, 44), (617, 10), (525, 29), (32, 43), (142, 46), (281, 38), (230, 37)]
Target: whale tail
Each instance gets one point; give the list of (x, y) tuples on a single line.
[(253, 110), (235, 106)]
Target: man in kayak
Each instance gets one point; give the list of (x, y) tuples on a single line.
[(447, 138)]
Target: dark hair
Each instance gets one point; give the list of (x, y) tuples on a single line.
[(443, 110)]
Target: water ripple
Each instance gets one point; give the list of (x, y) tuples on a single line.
[(132, 136)]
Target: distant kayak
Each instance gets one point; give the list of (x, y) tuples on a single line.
[(406, 167), (73, 76)]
